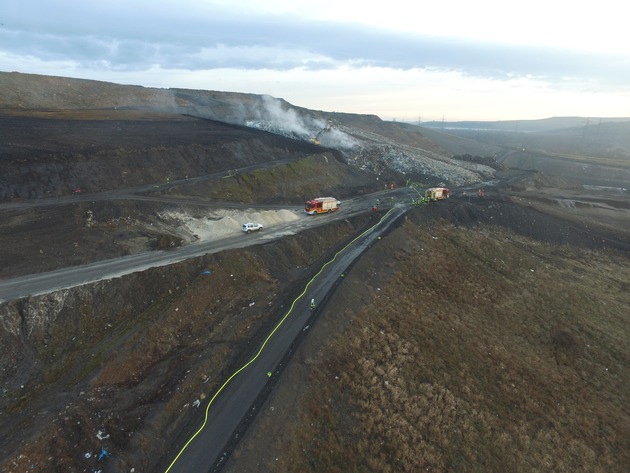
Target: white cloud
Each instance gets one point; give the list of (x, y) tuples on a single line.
[(483, 59), (565, 24)]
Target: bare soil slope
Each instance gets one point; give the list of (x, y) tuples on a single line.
[(458, 344), (480, 335), (94, 151)]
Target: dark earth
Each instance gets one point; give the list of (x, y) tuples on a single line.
[(480, 334)]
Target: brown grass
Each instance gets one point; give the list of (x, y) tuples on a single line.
[(485, 351)]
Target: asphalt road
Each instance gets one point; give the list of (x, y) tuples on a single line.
[(43, 283), (236, 400)]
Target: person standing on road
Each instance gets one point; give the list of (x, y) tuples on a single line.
[(312, 304)]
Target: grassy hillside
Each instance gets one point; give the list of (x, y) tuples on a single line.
[(460, 349)]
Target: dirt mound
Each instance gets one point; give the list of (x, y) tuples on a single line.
[(528, 221)]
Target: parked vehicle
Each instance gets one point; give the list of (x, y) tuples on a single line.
[(252, 227), (434, 194), (321, 205)]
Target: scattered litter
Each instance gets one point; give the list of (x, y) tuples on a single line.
[(88, 455), (435, 238), (103, 454), (251, 303), (101, 435), (197, 403), (206, 272)]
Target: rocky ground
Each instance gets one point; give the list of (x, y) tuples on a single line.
[(479, 335)]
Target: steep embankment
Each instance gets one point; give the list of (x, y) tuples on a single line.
[(117, 364), (367, 142), (477, 337), (85, 228), (67, 153)]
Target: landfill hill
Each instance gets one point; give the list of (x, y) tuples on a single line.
[(480, 334)]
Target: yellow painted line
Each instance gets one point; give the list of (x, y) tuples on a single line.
[(262, 347)]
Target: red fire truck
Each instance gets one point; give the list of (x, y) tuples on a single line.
[(321, 205)]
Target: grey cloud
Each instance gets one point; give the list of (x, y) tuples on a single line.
[(137, 34)]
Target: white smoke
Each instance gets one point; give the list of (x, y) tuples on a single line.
[(334, 138), (275, 116), (262, 112), (287, 120)]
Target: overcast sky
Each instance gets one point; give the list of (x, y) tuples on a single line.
[(399, 59)]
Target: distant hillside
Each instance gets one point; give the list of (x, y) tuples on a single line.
[(366, 142), (609, 140), (524, 126), (37, 93), (602, 138), (456, 144)]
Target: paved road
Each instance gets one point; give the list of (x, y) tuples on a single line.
[(206, 451), (234, 402), (43, 283)]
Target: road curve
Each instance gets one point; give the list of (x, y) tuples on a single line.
[(206, 450), (43, 283)]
